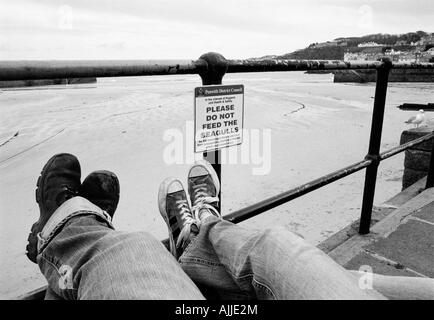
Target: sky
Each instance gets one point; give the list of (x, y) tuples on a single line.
[(185, 29)]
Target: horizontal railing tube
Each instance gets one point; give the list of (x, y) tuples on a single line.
[(405, 146), (254, 65), (297, 65), (272, 202), (60, 69), (32, 70)]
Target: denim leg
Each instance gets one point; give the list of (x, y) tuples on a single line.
[(89, 260), (266, 264)]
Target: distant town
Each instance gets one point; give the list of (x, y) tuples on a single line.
[(410, 47)]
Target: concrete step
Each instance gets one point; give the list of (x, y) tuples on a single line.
[(400, 243), (378, 214)]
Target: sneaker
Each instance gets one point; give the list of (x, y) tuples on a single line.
[(58, 182), (175, 210), (102, 189), (204, 188)]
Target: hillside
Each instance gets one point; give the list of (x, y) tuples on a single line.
[(388, 39), (368, 46), (326, 53)]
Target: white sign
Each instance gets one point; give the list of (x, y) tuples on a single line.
[(218, 117)]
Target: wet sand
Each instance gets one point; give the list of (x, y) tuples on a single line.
[(317, 126)]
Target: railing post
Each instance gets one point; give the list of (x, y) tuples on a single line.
[(213, 74), (374, 145), (430, 177)]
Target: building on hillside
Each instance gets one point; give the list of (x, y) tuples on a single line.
[(426, 56), (369, 44), (394, 55), (409, 56)]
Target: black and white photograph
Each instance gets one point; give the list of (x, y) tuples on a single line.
[(216, 154)]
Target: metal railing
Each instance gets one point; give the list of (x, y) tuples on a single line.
[(212, 67)]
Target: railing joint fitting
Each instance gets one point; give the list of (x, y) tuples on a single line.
[(375, 158)]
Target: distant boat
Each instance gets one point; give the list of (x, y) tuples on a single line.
[(416, 106)]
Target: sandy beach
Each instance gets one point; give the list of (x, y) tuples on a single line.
[(316, 126)]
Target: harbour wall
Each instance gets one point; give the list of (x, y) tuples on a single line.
[(396, 75)]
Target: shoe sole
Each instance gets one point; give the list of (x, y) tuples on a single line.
[(32, 239), (162, 192), (211, 171)]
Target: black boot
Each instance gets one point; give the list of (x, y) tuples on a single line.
[(102, 189), (58, 182)]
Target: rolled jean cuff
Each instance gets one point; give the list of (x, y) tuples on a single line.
[(77, 206)]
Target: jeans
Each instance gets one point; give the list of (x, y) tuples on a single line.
[(87, 259)]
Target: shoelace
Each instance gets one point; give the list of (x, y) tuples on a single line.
[(203, 200), (187, 220)]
